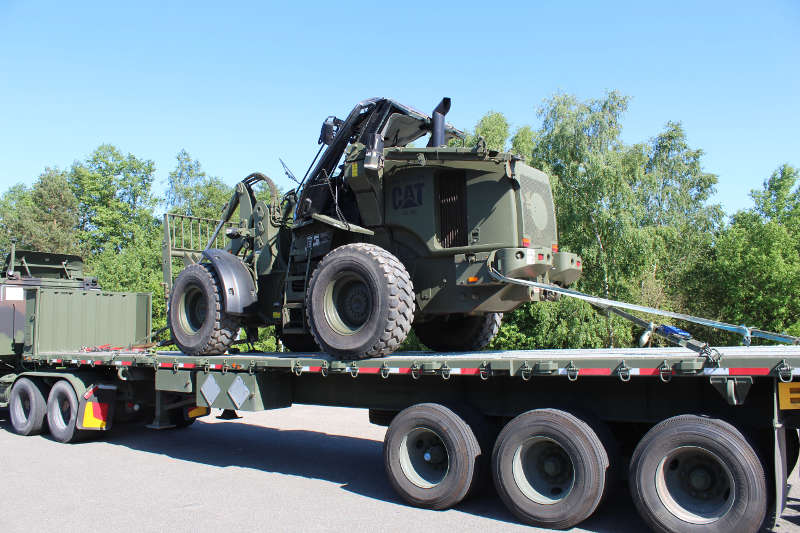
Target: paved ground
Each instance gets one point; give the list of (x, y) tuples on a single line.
[(304, 468)]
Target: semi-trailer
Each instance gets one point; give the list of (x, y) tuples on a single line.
[(704, 444)]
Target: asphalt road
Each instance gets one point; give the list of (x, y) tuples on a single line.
[(303, 468)]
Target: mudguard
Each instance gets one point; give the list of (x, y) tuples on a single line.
[(237, 282)]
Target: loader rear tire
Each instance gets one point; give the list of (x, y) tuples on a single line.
[(299, 342), (360, 302), (199, 324), (459, 333)]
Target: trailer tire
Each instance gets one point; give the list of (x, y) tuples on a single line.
[(549, 468), (360, 302), (62, 413), (430, 454), (691, 473), (27, 407), (459, 333), (197, 320)]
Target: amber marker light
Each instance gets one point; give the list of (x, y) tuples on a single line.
[(472, 279), (526, 242)]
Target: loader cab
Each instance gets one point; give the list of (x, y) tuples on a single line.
[(376, 123)]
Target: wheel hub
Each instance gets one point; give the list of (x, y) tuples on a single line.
[(424, 458), (354, 304), (348, 303), (695, 485), (543, 471)]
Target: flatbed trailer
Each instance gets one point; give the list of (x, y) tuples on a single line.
[(709, 441)]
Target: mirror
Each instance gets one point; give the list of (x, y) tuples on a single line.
[(327, 132)]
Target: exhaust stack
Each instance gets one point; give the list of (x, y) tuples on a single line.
[(437, 123)]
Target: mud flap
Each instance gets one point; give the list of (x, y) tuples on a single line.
[(96, 407)]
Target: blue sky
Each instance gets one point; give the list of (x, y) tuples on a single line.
[(242, 84)]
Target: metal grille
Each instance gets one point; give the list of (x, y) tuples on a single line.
[(537, 204), (452, 200)]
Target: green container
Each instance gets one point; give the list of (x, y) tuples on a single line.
[(65, 320)]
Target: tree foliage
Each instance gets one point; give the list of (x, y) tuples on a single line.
[(115, 200), (191, 192)]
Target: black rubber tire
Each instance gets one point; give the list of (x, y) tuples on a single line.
[(381, 417), (459, 333), (179, 418), (214, 330), (717, 438), (300, 343), (792, 450), (576, 441), (456, 439), (27, 407), (62, 413), (383, 302)]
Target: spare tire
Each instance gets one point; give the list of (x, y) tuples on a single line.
[(360, 302), (198, 322), (458, 333)]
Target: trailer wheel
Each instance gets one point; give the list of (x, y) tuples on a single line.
[(360, 302), (430, 455), (691, 473), (62, 412), (27, 407), (549, 468), (459, 333), (199, 324)]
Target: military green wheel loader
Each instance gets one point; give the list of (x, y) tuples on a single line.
[(378, 237)]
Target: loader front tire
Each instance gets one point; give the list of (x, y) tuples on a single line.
[(360, 302), (199, 324)]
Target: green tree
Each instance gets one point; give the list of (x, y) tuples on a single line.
[(751, 272), (42, 217), (522, 142), (115, 201), (779, 199), (191, 192)]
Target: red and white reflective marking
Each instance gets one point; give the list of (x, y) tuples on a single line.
[(587, 371), (645, 371), (165, 364)]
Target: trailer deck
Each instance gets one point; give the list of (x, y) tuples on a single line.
[(755, 361)]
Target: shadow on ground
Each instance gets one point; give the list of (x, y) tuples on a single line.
[(354, 463)]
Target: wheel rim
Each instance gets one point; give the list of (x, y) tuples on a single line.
[(424, 458), (695, 485), (543, 471), (192, 309), (348, 303)]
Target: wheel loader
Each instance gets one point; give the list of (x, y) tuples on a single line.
[(379, 237)]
